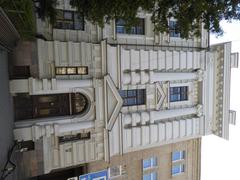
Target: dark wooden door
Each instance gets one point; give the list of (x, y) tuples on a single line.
[(51, 105), (39, 106)]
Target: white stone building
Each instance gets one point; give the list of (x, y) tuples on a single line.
[(94, 93)]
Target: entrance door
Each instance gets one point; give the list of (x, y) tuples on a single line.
[(51, 105), (40, 106), (29, 107)]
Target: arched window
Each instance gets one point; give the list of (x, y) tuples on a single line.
[(79, 103)]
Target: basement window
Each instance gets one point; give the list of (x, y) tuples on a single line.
[(77, 137)]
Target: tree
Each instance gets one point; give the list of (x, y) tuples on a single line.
[(21, 14), (189, 14), (46, 9)]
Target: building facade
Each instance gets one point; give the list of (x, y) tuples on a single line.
[(92, 94), (8, 38), (179, 161)]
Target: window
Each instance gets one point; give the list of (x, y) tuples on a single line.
[(133, 97), (178, 155), (82, 70), (115, 171), (79, 103), (136, 29), (71, 71), (71, 138), (177, 169), (69, 20), (150, 176), (26, 145), (178, 93), (149, 163), (173, 31), (20, 72)]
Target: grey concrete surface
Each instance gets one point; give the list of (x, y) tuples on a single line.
[(6, 111)]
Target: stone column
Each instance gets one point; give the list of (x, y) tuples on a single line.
[(166, 114), (132, 119), (165, 76)]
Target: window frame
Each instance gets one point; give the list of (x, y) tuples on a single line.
[(152, 164), (111, 176), (182, 155), (72, 20), (135, 27), (74, 138), (181, 169), (77, 71), (173, 31), (138, 93), (151, 175), (183, 93)]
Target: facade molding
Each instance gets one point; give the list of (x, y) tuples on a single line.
[(111, 116)]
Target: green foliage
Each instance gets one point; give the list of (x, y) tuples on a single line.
[(101, 11), (46, 9), (21, 13), (188, 13)]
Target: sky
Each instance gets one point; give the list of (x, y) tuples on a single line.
[(221, 158)]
